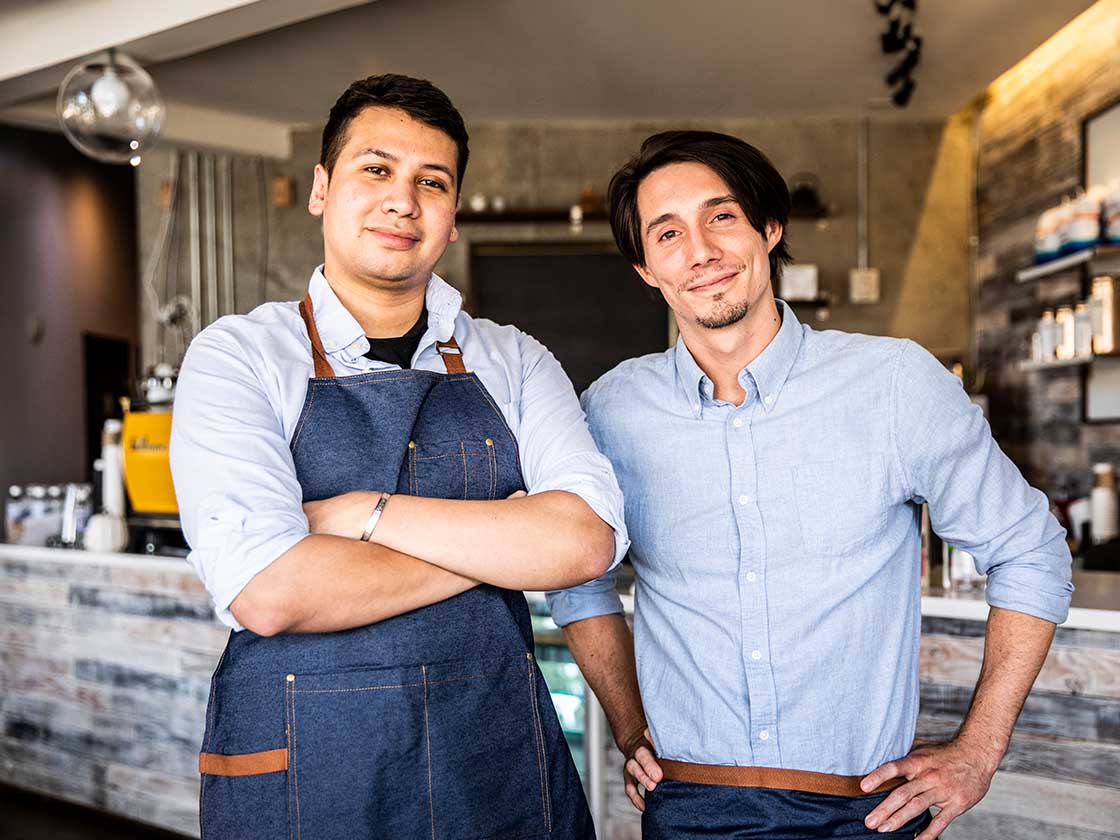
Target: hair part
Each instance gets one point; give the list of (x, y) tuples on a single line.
[(418, 98), (757, 186)]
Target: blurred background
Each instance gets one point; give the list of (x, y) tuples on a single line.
[(955, 171)]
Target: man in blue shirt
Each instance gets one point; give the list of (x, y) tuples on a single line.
[(773, 477)]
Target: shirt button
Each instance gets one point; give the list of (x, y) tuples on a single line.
[(769, 399), (756, 655), (744, 500), (751, 577), (737, 422), (764, 735)]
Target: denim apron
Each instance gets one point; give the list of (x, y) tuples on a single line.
[(686, 811), (433, 724)]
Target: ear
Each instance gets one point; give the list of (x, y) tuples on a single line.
[(318, 198), (454, 234), (774, 233), (646, 276)]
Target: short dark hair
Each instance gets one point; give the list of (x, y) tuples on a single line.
[(757, 186), (418, 98)]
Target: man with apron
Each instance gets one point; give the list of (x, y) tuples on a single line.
[(773, 476), (367, 480)]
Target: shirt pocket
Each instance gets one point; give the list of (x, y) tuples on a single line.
[(453, 469), (842, 504)]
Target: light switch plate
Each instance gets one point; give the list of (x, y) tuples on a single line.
[(863, 285)]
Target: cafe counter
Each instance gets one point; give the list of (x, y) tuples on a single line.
[(105, 662)]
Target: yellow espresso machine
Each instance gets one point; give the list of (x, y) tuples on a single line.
[(153, 515)]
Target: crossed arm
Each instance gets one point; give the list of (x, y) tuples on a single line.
[(331, 580)]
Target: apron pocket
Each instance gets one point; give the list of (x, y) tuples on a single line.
[(248, 807), (453, 469), (450, 750), (359, 763), (489, 767)]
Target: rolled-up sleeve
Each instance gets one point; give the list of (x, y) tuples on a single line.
[(588, 600), (978, 499), (239, 500), (557, 451)]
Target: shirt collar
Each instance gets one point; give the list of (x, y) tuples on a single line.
[(770, 369), (342, 334)]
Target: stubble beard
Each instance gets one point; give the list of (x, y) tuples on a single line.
[(725, 314)]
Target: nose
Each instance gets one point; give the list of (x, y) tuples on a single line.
[(704, 249), (400, 199)]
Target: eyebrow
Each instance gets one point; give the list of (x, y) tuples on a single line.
[(716, 201), (381, 153)]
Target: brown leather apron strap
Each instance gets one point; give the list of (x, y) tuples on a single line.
[(323, 369), (452, 355), (769, 777), (449, 350), (246, 764)]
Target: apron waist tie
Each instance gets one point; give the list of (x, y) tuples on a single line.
[(769, 777)]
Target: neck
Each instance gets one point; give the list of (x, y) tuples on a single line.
[(723, 353), (381, 312)]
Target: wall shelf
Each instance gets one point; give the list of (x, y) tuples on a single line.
[(1056, 266), (1027, 364)]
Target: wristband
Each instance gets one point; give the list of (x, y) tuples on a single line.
[(375, 517)]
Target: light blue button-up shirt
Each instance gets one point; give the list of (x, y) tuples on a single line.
[(776, 544), (241, 390)]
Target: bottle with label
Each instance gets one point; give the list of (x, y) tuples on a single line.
[(1048, 336), (1104, 511), (1066, 339), (15, 512), (1082, 331)]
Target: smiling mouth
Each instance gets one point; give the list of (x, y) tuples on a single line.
[(395, 238), (712, 283)]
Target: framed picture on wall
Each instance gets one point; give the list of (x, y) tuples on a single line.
[(1101, 138)]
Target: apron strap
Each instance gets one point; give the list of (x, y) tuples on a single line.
[(323, 369), (448, 350), (452, 355)]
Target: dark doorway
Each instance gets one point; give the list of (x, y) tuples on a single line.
[(107, 376), (581, 300)]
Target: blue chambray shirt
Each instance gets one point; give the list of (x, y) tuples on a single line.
[(776, 544)]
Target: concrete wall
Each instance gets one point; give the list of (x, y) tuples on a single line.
[(919, 194), (68, 237)]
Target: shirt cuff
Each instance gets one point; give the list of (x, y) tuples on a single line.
[(1030, 591), (235, 547), (588, 600)]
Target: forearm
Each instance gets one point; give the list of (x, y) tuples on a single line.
[(327, 583), (548, 541), (1015, 647), (603, 648)]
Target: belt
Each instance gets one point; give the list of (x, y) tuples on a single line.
[(769, 777)]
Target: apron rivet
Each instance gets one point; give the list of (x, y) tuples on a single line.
[(489, 442), (291, 677), (529, 656), (412, 444)]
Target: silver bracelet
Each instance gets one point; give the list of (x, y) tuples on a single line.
[(374, 517)]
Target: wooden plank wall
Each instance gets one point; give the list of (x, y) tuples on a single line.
[(1029, 156), (104, 677)]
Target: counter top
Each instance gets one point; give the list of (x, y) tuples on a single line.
[(1095, 605)]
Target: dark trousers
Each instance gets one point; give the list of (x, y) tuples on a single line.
[(683, 811)]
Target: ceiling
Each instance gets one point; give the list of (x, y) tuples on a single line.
[(618, 59)]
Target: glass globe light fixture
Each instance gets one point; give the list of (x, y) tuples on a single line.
[(110, 109)]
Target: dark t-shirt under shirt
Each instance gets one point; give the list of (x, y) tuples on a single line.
[(399, 351)]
